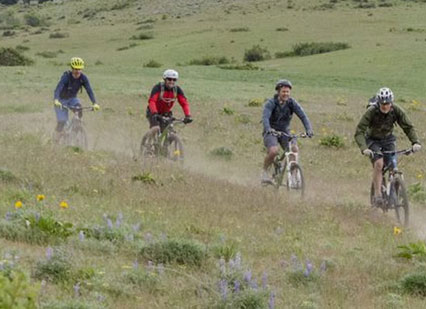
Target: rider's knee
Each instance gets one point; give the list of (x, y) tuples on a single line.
[(155, 129), (378, 165), (60, 126), (273, 151)]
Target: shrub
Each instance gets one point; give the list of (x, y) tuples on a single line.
[(243, 118), (12, 57), (146, 177), (145, 27), (7, 176), (55, 268), (178, 251), (279, 55), (147, 21), (222, 152), (245, 66), (17, 292), (313, 48), (58, 35), (228, 111), (240, 29), (32, 20), (415, 283), (209, 60), (282, 29), (9, 33), (123, 48), (226, 251), (413, 250), (47, 54), (21, 48), (417, 192), (152, 64), (142, 36), (256, 53), (332, 140), (142, 279), (256, 102)]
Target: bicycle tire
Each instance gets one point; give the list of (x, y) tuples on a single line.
[(79, 138), (175, 151), (400, 203), (147, 148), (279, 174), (300, 186)]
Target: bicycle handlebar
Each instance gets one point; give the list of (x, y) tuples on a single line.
[(291, 136), (406, 152), (78, 108)]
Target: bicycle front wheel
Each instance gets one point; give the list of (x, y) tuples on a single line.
[(295, 179), (148, 147), (400, 201), (79, 138), (175, 149)]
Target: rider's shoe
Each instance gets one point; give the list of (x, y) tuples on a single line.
[(378, 201), (265, 179)]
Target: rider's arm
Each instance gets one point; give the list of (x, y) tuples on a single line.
[(298, 110), (86, 85), (361, 129), (267, 112), (62, 82), (153, 99), (183, 102), (406, 124)]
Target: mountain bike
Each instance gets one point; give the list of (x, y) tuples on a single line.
[(165, 143), (286, 166), (74, 132), (393, 189)]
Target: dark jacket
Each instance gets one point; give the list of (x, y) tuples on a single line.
[(278, 116), (376, 125), (68, 87)]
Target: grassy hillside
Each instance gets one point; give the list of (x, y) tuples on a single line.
[(123, 213)]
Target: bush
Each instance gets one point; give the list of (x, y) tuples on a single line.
[(241, 29), (415, 284), (17, 292), (245, 66), (175, 251), (417, 192), (279, 55), (228, 111), (8, 33), (56, 268), (413, 250), (145, 27), (142, 36), (313, 48), (282, 29), (222, 152), (142, 279), (58, 35), (32, 20), (209, 60), (332, 140), (7, 176), (152, 64), (22, 48), (12, 57), (47, 54), (256, 53), (146, 177), (256, 102)]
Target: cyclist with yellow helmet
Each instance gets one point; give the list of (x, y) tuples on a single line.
[(65, 94)]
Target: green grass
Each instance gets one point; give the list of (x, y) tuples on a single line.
[(216, 204)]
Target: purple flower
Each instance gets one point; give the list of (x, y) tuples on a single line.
[(223, 287), (105, 217), (253, 284), (160, 269), (135, 264), (222, 266), (119, 220), (77, 289), (101, 298), (238, 260), (136, 227), (130, 237), (309, 268), (231, 264), (237, 286), (265, 280), (8, 216), (247, 276), (271, 303), (37, 216), (109, 224), (49, 253), (150, 266), (81, 236)]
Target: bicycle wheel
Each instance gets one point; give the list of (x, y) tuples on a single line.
[(78, 136), (148, 147), (295, 179), (175, 148), (278, 175), (384, 196), (399, 197)]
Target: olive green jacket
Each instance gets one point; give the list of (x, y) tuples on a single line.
[(377, 125)]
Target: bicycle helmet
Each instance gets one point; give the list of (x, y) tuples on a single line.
[(384, 95), (170, 74), (77, 63), (283, 83)]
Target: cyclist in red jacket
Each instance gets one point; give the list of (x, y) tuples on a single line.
[(163, 97)]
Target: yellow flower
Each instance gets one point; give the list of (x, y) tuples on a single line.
[(420, 176), (40, 197), (176, 153), (18, 204), (63, 205), (397, 230), (126, 267)]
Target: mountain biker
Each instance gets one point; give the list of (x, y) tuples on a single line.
[(65, 94), (277, 114), (162, 98), (374, 134)]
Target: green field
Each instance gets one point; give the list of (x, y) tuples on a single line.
[(212, 207)]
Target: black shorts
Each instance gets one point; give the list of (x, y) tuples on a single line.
[(379, 145), (270, 140), (153, 122)]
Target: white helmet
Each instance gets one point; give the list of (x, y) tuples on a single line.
[(385, 95), (170, 74)]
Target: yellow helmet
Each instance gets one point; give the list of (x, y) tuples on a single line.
[(77, 63)]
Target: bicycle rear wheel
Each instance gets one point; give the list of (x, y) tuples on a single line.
[(78, 136), (175, 150), (400, 201), (148, 148), (295, 179)]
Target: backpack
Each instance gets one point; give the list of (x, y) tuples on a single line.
[(372, 102), (69, 78), (163, 89)]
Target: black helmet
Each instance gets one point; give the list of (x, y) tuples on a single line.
[(283, 83)]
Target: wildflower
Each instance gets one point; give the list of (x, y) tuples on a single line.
[(136, 227), (27, 223), (397, 230), (223, 287), (150, 266), (109, 223), (222, 266), (420, 176), (247, 276), (231, 264), (237, 286), (238, 260), (40, 197), (37, 216), (160, 269), (264, 280), (135, 264), (63, 205), (81, 236), (148, 237), (18, 204), (271, 303), (119, 220), (309, 268), (126, 267), (8, 216), (49, 253), (254, 285), (77, 289), (105, 217)]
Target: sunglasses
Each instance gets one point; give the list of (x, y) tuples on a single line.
[(171, 79)]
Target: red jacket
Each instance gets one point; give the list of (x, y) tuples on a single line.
[(162, 99)]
